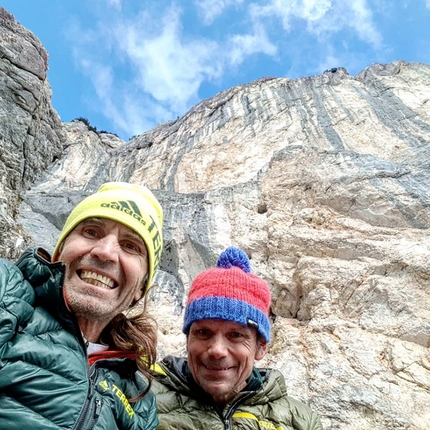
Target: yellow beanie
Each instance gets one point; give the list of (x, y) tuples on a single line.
[(132, 205)]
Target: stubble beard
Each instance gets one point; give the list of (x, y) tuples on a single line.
[(88, 302)]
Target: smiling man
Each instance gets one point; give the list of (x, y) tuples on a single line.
[(218, 387), (75, 339)]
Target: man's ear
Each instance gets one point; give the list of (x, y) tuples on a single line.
[(262, 347), (140, 292), (60, 249), (138, 295)]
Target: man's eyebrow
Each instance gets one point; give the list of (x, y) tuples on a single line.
[(134, 235), (92, 220), (131, 234)]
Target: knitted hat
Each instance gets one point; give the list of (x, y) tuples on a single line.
[(132, 205), (230, 292)]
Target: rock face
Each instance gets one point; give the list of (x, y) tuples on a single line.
[(31, 133), (324, 182)]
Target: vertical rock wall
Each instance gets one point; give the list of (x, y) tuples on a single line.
[(30, 130)]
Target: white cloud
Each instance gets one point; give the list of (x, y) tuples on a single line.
[(245, 45), (149, 68), (168, 66), (362, 21), (212, 9), (145, 70), (286, 10), (323, 17), (130, 110), (115, 3), (428, 4)]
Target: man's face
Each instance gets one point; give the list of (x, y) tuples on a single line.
[(221, 356), (106, 263)]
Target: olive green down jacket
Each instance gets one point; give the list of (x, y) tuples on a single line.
[(45, 379), (182, 405)]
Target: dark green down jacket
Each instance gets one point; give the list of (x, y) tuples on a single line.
[(45, 380), (264, 403)]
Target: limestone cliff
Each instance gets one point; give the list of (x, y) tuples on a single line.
[(31, 132), (324, 181)]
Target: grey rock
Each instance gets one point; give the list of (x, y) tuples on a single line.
[(31, 132)]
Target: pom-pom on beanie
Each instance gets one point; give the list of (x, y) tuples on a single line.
[(130, 204), (230, 292)]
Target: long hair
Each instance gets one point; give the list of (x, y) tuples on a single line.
[(135, 331)]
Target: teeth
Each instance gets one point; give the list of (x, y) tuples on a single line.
[(97, 280)]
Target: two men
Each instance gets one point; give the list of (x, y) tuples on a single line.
[(72, 332), (218, 388), (73, 336)]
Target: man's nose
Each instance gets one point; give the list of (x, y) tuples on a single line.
[(106, 249), (217, 347)]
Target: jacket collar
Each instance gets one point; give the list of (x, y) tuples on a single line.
[(47, 280), (179, 367)]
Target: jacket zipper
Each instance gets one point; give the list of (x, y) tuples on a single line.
[(82, 422), (227, 424), (232, 408), (87, 420), (96, 414), (98, 402)]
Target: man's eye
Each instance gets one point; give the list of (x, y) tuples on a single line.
[(236, 335), (89, 232), (131, 248), (201, 333)]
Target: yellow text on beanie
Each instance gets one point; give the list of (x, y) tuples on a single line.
[(132, 205)]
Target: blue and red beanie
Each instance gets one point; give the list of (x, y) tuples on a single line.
[(230, 292)]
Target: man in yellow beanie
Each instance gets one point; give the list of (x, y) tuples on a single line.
[(73, 331)]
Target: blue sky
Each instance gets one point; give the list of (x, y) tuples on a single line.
[(128, 65)]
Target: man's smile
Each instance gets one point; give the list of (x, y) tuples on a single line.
[(218, 368), (96, 279)]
